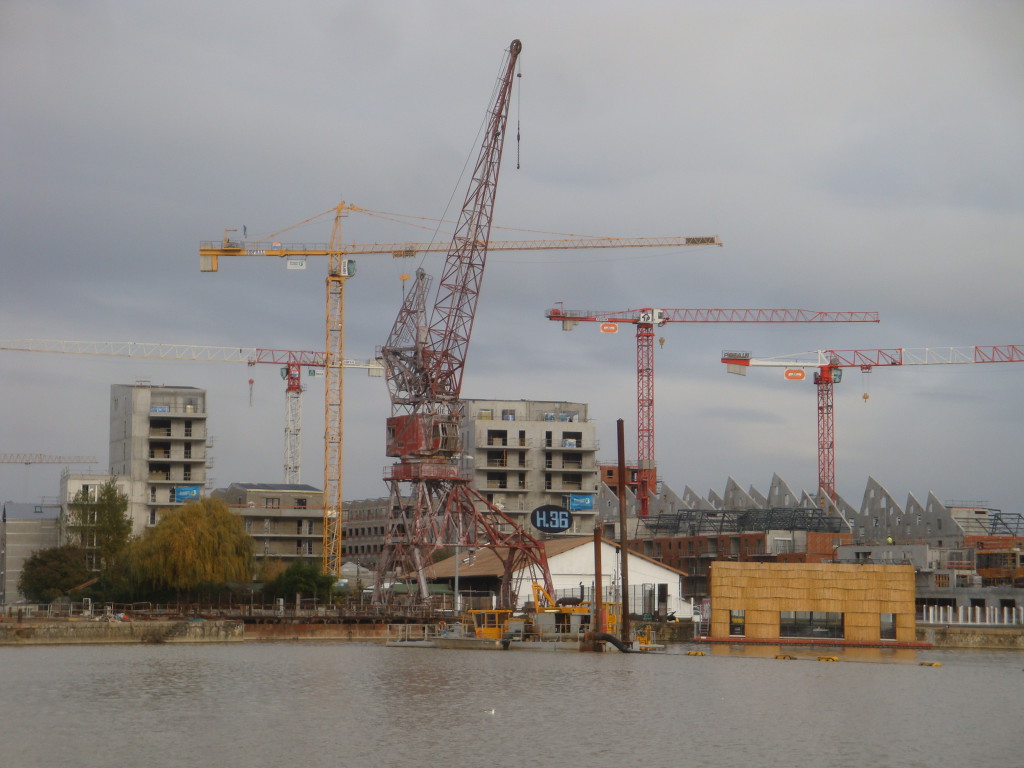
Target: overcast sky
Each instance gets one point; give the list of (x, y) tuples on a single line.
[(851, 156)]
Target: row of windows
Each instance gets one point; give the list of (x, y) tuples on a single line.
[(301, 526), (302, 546), (812, 624), (271, 502), (361, 549)]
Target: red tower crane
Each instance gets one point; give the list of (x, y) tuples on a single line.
[(830, 364), (645, 320), (424, 360)]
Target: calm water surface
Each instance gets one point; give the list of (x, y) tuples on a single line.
[(337, 704)]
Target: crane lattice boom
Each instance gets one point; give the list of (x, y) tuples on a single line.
[(829, 363), (646, 319), (870, 358), (44, 458), (424, 358)]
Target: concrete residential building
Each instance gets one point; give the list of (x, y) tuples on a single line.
[(362, 530), (525, 453), (24, 529), (285, 520), (158, 441)]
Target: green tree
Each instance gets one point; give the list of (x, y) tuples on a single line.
[(50, 573), (100, 525), (301, 577), (202, 542)]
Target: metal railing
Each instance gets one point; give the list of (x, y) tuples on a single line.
[(970, 615)]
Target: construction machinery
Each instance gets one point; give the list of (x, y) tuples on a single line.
[(645, 320), (291, 363), (830, 364)]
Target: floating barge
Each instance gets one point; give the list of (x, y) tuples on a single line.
[(565, 625)]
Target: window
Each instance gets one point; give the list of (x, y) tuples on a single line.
[(818, 624), (188, 429), (887, 629), (300, 503), (271, 503), (737, 623)]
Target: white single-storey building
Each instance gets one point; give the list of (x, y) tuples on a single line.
[(655, 590)]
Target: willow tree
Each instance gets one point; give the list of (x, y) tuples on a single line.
[(202, 542)]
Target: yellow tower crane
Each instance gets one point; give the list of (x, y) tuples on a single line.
[(339, 269)]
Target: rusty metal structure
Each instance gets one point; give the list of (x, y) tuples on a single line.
[(432, 505)]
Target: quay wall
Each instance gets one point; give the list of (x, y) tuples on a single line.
[(968, 636), (85, 631), (298, 630)]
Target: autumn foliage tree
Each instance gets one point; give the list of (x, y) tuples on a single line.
[(200, 543), (50, 573)]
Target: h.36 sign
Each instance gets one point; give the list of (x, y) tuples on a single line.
[(551, 519)]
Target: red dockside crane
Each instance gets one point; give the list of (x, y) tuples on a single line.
[(645, 320), (424, 360), (830, 364)]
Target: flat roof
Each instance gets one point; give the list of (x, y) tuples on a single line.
[(14, 510)]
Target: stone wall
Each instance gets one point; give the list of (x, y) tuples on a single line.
[(981, 638), (84, 631)]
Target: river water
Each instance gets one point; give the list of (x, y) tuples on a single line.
[(367, 706)]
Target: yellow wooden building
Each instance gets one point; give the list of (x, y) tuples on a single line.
[(834, 603)]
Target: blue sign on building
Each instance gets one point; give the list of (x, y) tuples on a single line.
[(579, 501), (187, 492)]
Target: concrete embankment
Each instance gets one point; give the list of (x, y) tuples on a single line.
[(87, 631), (299, 630), (980, 638)]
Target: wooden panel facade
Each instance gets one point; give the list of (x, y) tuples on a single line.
[(862, 594)]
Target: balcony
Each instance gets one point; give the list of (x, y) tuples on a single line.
[(510, 488), (571, 444)]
